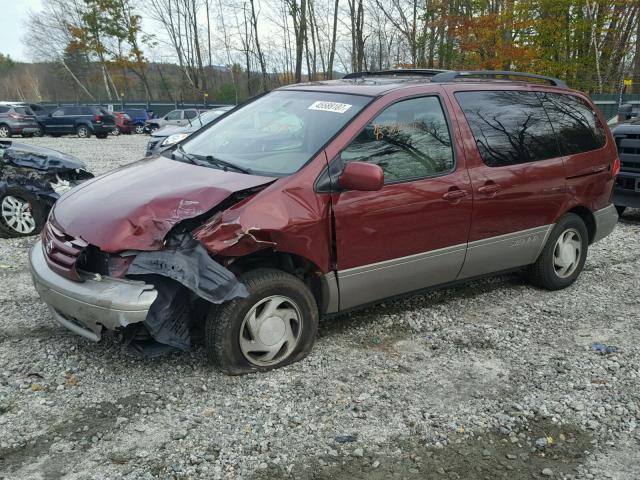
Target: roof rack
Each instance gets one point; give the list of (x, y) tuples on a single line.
[(410, 72), (450, 76)]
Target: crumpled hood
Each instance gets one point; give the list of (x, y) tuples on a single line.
[(39, 158), (134, 207)]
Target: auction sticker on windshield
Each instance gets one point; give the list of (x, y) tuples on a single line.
[(330, 106)]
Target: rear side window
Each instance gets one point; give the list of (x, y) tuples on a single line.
[(408, 140), (59, 113), (576, 124), (174, 115), (510, 127), (23, 110)]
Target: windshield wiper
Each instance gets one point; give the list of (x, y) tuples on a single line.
[(187, 156), (224, 165)]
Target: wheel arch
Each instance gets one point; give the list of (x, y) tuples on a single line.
[(321, 285), (587, 217)]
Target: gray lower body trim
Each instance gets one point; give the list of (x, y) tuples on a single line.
[(330, 293), (606, 220), (361, 285), (504, 252)]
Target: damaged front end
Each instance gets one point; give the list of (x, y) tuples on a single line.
[(155, 298), (31, 180)]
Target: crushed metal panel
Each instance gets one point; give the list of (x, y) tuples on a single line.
[(180, 271)]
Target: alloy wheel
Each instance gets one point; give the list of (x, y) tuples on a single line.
[(4, 131), (567, 253), (16, 214), (82, 132), (271, 331), (139, 128)]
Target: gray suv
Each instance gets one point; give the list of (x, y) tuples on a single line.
[(174, 117), (18, 120)]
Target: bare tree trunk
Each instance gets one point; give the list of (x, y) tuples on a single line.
[(332, 50), (636, 61), (263, 65), (80, 84)]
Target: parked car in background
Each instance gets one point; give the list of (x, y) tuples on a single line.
[(38, 110), (138, 117), (169, 135), (315, 199), (174, 117), (31, 180), (83, 121), (627, 190), (123, 124), (18, 120)]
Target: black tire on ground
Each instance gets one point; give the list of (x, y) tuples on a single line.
[(545, 272), (83, 131), (620, 209), (39, 213), (5, 131), (39, 132), (115, 132), (223, 325)]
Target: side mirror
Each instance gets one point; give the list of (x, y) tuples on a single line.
[(361, 176)]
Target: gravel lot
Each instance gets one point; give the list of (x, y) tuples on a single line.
[(493, 379)]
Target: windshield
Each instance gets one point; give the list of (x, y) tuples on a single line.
[(208, 117), (277, 133)]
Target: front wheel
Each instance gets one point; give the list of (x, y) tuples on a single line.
[(139, 129), (563, 256), (20, 217), (274, 326), (5, 131)]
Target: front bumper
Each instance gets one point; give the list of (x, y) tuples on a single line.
[(606, 220), (98, 302)]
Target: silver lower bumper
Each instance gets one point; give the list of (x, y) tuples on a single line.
[(87, 307), (606, 220)]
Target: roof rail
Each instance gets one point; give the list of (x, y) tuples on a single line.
[(450, 76), (414, 72)]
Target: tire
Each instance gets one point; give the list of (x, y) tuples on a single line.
[(233, 346), (115, 132), (14, 224), (5, 131), (139, 129), (83, 131), (563, 256), (39, 132), (620, 209)]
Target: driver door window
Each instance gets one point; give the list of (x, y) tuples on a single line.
[(409, 140)]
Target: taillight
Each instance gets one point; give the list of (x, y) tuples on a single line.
[(616, 167), (97, 118), (16, 116)]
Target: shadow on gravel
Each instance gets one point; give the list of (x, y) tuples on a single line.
[(347, 321), (492, 456), (631, 216)]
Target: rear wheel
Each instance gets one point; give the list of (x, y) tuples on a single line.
[(115, 132), (274, 326), (38, 132), (139, 128), (83, 131), (5, 131), (563, 256), (19, 217), (620, 209)]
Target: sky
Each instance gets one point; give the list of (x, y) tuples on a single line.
[(13, 15)]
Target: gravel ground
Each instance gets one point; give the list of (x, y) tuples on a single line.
[(493, 379)]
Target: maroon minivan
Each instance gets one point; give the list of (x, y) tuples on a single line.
[(323, 197)]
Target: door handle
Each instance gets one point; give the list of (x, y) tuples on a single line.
[(489, 189), (454, 194)]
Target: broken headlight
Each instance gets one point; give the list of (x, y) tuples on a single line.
[(175, 138)]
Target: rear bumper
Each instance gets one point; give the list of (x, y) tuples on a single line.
[(606, 220), (87, 307), (102, 128)]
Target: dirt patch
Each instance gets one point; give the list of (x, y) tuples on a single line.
[(491, 456)]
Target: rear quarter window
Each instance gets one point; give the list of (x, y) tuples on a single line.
[(509, 127), (576, 124)]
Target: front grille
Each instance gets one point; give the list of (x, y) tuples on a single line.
[(62, 251)]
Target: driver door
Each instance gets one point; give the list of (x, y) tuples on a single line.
[(413, 232)]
